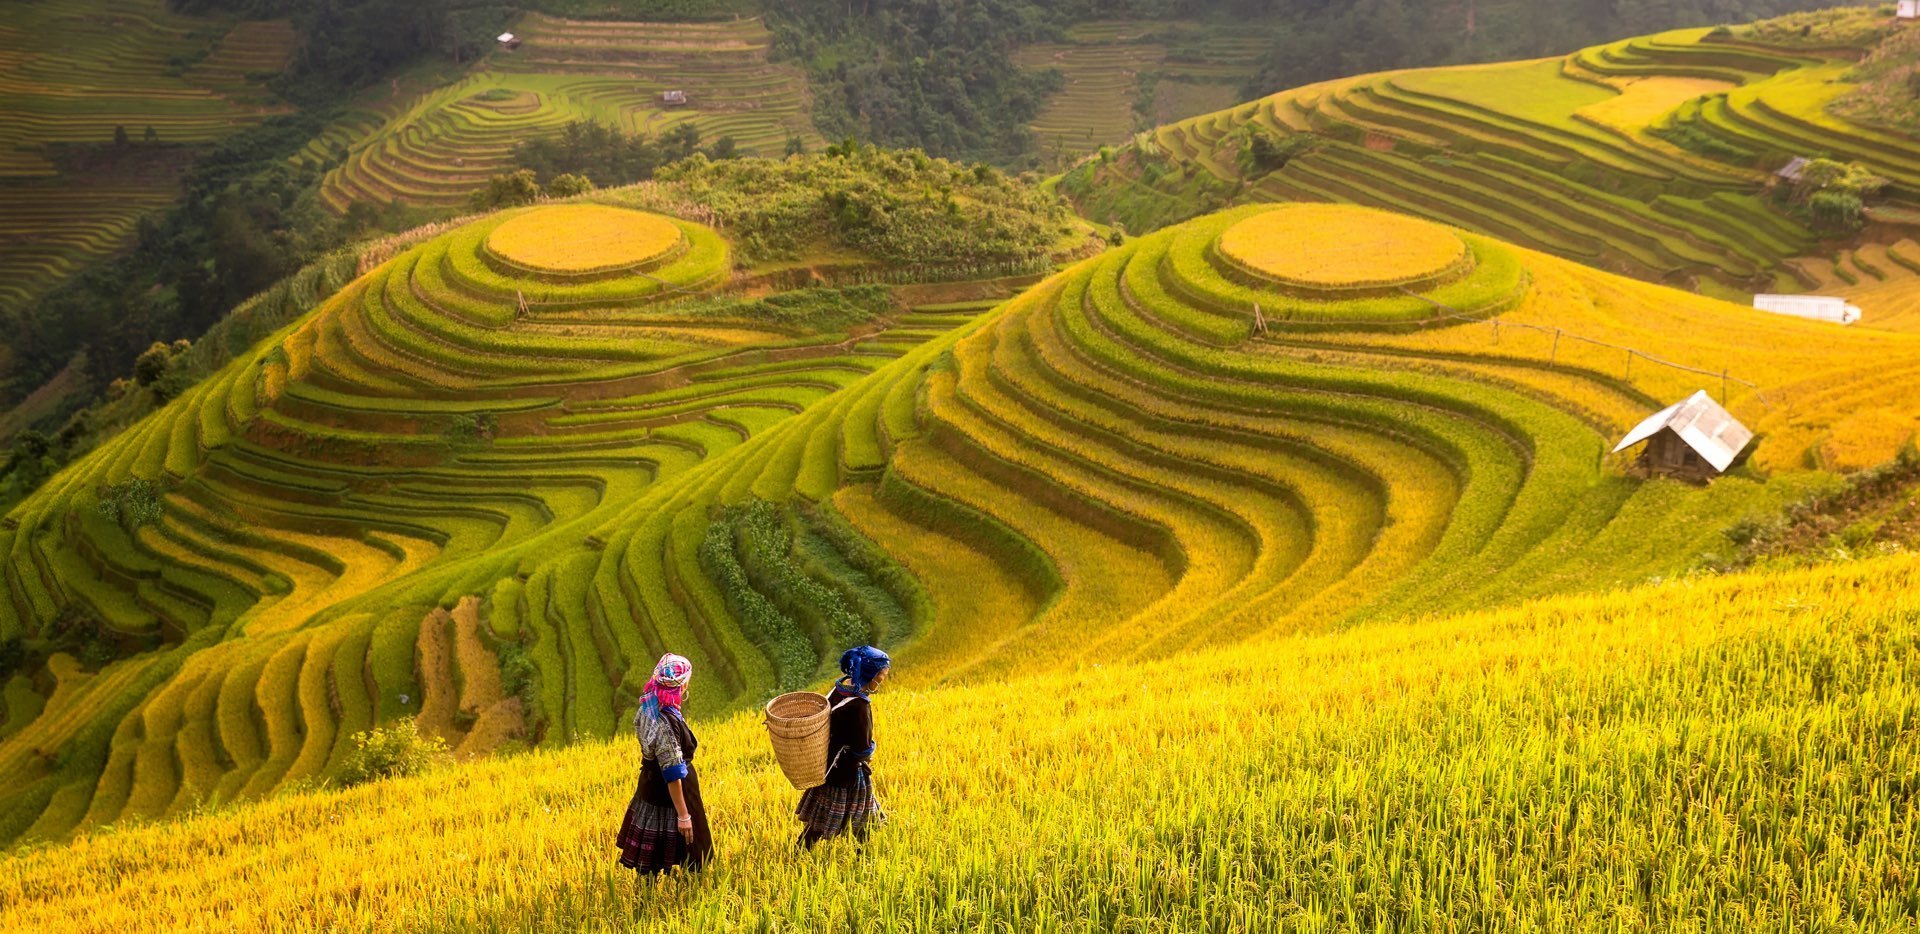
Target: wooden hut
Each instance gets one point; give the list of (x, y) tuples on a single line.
[(508, 41), (1695, 439), (673, 98), (1792, 172)]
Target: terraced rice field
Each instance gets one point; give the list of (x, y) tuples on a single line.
[(71, 71), (1743, 739), (1113, 469), (436, 148), (463, 421), (1127, 458), (1562, 155), (1111, 67)]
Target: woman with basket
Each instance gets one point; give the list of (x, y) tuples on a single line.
[(666, 823), (846, 801)]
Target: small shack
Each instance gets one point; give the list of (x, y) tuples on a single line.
[(673, 98), (1815, 307), (508, 41), (1792, 172), (1695, 439), (1908, 9)]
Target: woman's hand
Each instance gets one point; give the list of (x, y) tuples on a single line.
[(686, 828)]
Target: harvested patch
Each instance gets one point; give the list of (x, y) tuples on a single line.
[(1339, 247), (575, 239)]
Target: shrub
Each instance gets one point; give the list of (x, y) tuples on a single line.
[(392, 751), (568, 185), (132, 504), (508, 190)]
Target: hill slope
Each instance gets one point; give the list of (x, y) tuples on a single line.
[(474, 417), (72, 71), (1649, 156), (438, 147), (1713, 753)]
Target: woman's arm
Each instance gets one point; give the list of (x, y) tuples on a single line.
[(685, 816)]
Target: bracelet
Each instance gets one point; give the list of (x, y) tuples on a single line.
[(686, 819)]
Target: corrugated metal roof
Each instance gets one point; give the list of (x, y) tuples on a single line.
[(1708, 429), (1794, 168)]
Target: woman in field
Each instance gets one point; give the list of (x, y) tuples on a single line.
[(846, 802), (666, 823)]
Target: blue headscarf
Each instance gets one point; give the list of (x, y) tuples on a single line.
[(861, 664)]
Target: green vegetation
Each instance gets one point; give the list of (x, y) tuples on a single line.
[(462, 421), (391, 752)]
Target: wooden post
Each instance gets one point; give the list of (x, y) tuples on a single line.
[(1723, 386), (1496, 330), (1553, 354), (1259, 320), (1629, 365)]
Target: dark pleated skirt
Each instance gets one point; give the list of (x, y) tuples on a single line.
[(650, 840), (828, 812)]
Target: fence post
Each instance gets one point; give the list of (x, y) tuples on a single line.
[(1553, 353), (1723, 386), (1629, 364)]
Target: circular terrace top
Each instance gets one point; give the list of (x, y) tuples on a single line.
[(580, 238), (1336, 246)]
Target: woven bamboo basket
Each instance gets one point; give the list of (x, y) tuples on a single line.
[(797, 724)]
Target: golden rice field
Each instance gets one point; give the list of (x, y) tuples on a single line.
[(1732, 753), (581, 238), (1109, 467), (1334, 247), (1649, 156)]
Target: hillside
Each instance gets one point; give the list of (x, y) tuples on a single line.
[(480, 413), (75, 71), (437, 147), (1121, 75), (551, 421), (1650, 156), (1711, 754)]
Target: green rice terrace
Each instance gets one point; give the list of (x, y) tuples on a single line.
[(1653, 156), (486, 483), (74, 71), (437, 147), (482, 413), (1123, 75)]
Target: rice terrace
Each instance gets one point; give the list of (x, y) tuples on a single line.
[(924, 465)]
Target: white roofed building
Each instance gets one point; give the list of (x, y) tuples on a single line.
[(1815, 307), (1694, 438), (1908, 9)]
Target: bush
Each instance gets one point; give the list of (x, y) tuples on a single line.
[(132, 504), (505, 191), (392, 751), (568, 185)]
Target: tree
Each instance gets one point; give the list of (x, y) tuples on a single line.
[(152, 364), (508, 190), (150, 136), (568, 185), (120, 135)]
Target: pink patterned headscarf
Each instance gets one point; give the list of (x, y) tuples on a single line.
[(668, 686)]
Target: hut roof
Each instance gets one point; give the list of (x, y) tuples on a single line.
[(505, 37), (1795, 167), (1707, 428)]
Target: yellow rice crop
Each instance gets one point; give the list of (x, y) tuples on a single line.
[(582, 238), (1332, 245), (1709, 754)]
